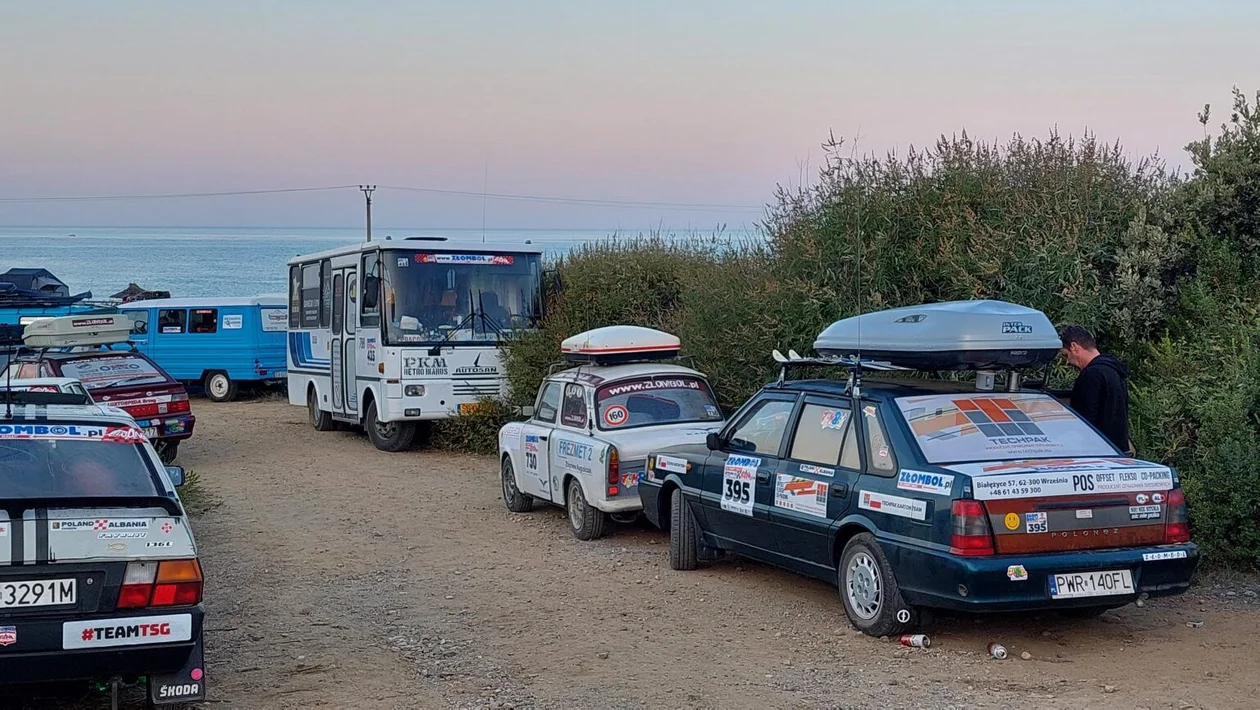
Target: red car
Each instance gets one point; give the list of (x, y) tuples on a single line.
[(125, 379)]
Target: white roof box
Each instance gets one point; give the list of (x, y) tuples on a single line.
[(959, 335), (73, 331), (620, 343)]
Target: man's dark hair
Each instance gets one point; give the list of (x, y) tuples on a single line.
[(1077, 334)]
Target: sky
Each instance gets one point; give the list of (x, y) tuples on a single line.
[(692, 102)]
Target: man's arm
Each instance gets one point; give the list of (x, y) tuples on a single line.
[(1087, 395)]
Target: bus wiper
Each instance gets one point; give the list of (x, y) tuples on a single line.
[(436, 350)]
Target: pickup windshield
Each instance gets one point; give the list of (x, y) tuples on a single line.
[(975, 427), (649, 401), (72, 461), (459, 298), (99, 372)]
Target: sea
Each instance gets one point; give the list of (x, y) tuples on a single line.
[(237, 261)]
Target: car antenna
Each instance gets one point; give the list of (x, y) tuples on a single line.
[(861, 257)]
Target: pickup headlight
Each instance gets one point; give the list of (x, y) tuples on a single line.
[(415, 390)]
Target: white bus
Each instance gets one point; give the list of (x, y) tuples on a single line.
[(386, 334)]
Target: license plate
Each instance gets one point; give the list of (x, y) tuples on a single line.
[(150, 432), (44, 592), (469, 408), (1072, 585)]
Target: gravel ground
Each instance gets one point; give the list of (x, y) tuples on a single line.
[(339, 576)]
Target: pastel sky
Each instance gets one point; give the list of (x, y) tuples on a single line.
[(681, 101)]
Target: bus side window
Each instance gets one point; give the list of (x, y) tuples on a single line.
[(172, 320), (295, 297), (370, 301)]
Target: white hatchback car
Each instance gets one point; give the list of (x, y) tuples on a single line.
[(593, 425)]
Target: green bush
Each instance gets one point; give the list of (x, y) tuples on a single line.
[(1158, 264)]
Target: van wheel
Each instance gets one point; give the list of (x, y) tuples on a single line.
[(388, 436), (586, 522), (515, 501), (219, 387), (684, 546), (167, 451), (872, 599), (321, 420)]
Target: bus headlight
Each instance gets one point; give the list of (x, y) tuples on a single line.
[(414, 390)]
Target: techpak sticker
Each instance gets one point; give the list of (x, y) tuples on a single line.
[(671, 464), (893, 505)]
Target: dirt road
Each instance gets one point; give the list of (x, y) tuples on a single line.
[(339, 576)]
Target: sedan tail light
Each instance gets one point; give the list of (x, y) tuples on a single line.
[(972, 536), (1177, 527), (165, 583)]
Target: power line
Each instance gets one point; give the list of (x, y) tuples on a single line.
[(172, 196), (546, 199)]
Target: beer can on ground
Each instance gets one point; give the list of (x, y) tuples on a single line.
[(916, 640), (997, 650)]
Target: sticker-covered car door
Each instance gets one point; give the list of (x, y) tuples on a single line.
[(574, 452)]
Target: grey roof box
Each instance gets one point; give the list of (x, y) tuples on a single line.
[(958, 335)]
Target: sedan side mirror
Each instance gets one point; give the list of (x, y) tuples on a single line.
[(713, 441), (176, 474)]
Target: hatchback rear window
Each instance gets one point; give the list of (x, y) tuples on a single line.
[(975, 427), (73, 461), (112, 371), (650, 401)]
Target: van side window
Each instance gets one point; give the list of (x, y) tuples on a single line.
[(139, 322), (879, 453), (371, 298), (172, 320), (204, 320), (574, 411)]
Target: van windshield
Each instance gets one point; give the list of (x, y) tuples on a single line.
[(472, 297), (73, 461), (975, 427), (99, 372), (649, 401)]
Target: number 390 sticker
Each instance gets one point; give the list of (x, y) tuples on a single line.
[(616, 415), (738, 479)]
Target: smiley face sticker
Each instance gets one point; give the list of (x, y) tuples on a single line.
[(1012, 521)]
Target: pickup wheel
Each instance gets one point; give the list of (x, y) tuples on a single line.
[(586, 521), (388, 436), (515, 501), (321, 420), (219, 387), (872, 599), (684, 545)]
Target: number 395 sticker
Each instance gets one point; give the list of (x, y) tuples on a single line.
[(738, 480)]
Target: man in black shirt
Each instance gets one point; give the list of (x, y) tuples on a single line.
[(1100, 393)]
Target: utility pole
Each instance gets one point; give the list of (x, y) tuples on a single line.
[(367, 195)]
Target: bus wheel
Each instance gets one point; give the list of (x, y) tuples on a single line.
[(321, 420), (219, 387), (388, 436)]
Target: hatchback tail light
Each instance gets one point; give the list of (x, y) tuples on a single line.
[(1177, 527), (179, 403), (972, 535), (165, 583), (614, 471)]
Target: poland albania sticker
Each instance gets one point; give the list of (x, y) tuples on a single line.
[(616, 415)]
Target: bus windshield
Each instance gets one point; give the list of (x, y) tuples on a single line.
[(466, 297)]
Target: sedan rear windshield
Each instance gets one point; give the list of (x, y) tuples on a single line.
[(649, 401), (112, 371), (73, 461), (975, 427)]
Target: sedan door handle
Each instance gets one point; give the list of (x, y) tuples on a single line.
[(763, 477), (839, 490), (542, 438)]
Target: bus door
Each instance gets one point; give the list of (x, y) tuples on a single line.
[(348, 306)]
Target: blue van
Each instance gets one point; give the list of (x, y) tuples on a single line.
[(218, 344)]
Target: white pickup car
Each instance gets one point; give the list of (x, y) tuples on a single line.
[(593, 425)]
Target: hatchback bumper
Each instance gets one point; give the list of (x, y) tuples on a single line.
[(938, 579), (171, 428), (37, 655)]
